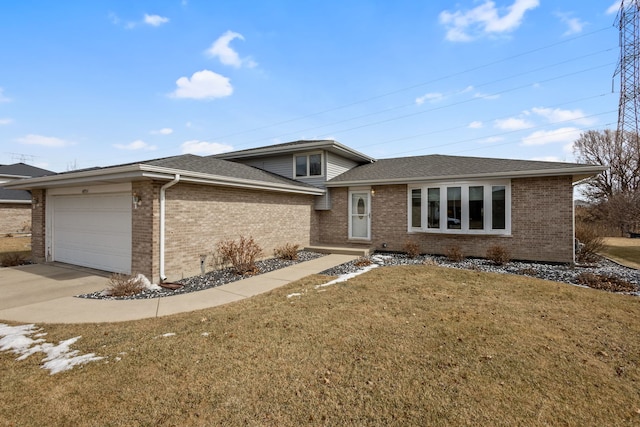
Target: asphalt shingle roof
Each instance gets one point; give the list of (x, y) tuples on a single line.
[(219, 167), (21, 169), (441, 166)]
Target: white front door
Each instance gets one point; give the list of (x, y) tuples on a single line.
[(360, 215)]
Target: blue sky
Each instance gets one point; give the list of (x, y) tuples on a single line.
[(97, 83)]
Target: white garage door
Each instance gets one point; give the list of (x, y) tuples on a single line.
[(93, 231)]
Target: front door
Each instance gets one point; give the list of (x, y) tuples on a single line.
[(360, 215)]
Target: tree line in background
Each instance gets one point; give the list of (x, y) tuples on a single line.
[(613, 196)]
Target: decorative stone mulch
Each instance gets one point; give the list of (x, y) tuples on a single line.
[(209, 280), (555, 272)]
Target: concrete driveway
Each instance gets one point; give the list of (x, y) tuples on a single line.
[(44, 293), (32, 284)]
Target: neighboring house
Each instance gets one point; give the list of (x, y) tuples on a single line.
[(15, 205), (164, 217)]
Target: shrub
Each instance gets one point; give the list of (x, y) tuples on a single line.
[(362, 262), (605, 283), (241, 254), (454, 253), (12, 260), (411, 248), (122, 285), (590, 242), (287, 251), (498, 255)]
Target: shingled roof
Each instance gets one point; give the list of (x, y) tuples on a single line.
[(190, 167), (22, 170), (440, 167)]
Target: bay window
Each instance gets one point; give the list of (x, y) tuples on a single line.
[(467, 208)]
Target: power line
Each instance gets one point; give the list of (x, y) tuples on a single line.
[(414, 86)]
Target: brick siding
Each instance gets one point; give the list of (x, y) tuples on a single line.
[(198, 217), (38, 226), (541, 222), (15, 218)]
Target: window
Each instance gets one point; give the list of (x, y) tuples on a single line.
[(471, 208), (308, 165), (433, 208), (416, 207)]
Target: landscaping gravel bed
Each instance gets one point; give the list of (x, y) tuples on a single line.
[(209, 280), (555, 272)]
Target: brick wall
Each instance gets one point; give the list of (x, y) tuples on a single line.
[(15, 218), (145, 228), (541, 222), (38, 226), (198, 217)]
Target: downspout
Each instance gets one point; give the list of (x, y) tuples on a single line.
[(163, 190)]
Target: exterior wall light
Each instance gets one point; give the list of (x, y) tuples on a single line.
[(137, 200)]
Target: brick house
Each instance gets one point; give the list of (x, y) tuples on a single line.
[(15, 205), (164, 217)]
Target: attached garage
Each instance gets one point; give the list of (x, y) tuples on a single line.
[(91, 230)]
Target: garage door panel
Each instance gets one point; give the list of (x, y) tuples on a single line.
[(93, 231)]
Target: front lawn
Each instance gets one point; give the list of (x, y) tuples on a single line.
[(623, 250), (411, 345)]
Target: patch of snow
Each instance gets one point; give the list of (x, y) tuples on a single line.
[(205, 334), (295, 294), (345, 277), (168, 334), (59, 358)]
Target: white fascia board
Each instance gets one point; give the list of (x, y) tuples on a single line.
[(137, 171), (209, 179), (577, 173), (327, 144)]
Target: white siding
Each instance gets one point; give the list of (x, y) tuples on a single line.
[(280, 165), (337, 165)]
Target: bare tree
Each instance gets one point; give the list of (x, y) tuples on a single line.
[(616, 191), (620, 155)]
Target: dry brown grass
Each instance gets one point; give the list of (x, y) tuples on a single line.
[(414, 345), (13, 249), (623, 250)]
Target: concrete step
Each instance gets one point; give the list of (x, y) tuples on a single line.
[(342, 250)]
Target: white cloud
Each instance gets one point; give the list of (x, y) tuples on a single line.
[(46, 141), (575, 24), (431, 97), (136, 145), (614, 8), (492, 139), (203, 84), (547, 159), (155, 20), (163, 131), (564, 135), (512, 123), (204, 148), (220, 49), (486, 96), (558, 115), (467, 25), (5, 122), (2, 97), (476, 125)]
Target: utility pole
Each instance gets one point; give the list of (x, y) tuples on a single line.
[(628, 22)]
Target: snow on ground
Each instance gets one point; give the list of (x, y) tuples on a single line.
[(59, 358), (345, 277)]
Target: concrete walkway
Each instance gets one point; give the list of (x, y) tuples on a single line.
[(45, 293)]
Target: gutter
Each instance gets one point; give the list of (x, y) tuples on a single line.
[(575, 172), (163, 191)]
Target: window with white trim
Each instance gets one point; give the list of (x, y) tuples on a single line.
[(307, 165), (460, 208)]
